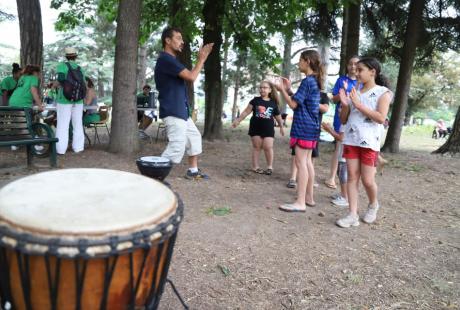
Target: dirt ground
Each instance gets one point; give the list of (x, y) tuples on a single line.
[(257, 257)]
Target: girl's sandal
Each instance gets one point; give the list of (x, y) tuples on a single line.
[(269, 171), (258, 170)]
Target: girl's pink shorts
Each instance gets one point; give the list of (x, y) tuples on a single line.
[(304, 144)]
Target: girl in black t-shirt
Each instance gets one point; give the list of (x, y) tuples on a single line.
[(262, 126)]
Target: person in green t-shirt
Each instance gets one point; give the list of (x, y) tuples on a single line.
[(145, 118), (9, 83), (26, 93), (69, 110)]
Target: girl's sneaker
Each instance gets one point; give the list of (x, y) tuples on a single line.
[(348, 221), (335, 196), (371, 214), (340, 202), (291, 184)]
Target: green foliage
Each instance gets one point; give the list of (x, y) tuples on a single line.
[(435, 89), (6, 16), (319, 22), (96, 49), (219, 211), (386, 24), (79, 12)]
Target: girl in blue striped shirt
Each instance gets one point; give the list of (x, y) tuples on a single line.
[(305, 126)]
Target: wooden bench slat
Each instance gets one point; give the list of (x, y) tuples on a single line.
[(13, 126), (15, 132), (13, 113), (15, 138), (13, 119), (17, 128), (22, 141)]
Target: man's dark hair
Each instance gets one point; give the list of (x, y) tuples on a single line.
[(168, 32), (73, 57), (146, 86)]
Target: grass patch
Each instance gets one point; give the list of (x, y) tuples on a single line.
[(424, 130), (355, 278), (221, 211), (224, 270), (404, 165)]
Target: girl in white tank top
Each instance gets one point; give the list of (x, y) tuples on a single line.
[(363, 114)]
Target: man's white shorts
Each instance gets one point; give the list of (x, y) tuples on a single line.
[(183, 136)]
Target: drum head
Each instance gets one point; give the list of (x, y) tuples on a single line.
[(155, 159), (85, 202)]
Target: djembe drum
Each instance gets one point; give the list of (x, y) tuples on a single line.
[(156, 167), (86, 239)]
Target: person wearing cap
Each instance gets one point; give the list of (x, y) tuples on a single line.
[(68, 110)]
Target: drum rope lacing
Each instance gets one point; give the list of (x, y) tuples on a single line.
[(91, 247), (140, 239)]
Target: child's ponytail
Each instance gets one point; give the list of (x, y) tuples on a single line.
[(316, 66), (382, 80)]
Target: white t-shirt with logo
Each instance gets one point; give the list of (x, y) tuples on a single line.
[(360, 130)]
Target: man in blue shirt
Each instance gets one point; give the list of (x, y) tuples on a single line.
[(170, 78)]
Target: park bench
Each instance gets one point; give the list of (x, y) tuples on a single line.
[(17, 128)]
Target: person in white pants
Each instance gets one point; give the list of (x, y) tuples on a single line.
[(65, 114), (69, 110)]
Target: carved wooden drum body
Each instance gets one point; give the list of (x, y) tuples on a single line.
[(86, 239)]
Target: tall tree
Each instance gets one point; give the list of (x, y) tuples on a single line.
[(438, 31), (350, 34), (179, 16), (286, 66), (319, 26), (213, 12), (413, 27), (31, 32), (142, 66), (124, 134)]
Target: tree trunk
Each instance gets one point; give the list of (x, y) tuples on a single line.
[(224, 76), (237, 89), (100, 85), (142, 66), (324, 43), (124, 122), (350, 35), (324, 50), (31, 33), (354, 24), (452, 144), (414, 24), (286, 65), (343, 43), (213, 12), (177, 12)]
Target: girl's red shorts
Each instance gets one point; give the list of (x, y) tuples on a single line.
[(366, 156)]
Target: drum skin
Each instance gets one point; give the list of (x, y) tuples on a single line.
[(87, 259), (119, 292)]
